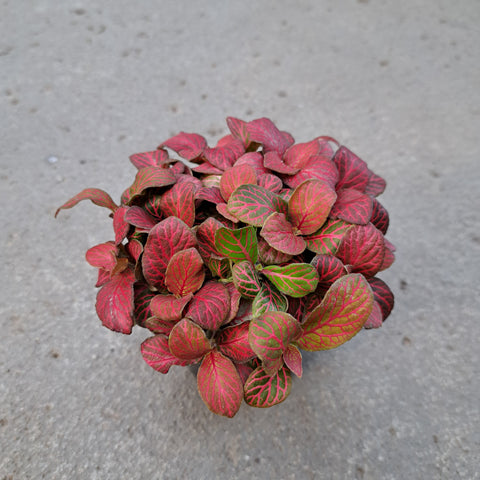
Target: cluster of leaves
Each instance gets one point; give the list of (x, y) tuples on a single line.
[(236, 257)]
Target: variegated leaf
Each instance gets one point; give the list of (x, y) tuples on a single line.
[(185, 272), (188, 341), (262, 390), (246, 279), (296, 279)]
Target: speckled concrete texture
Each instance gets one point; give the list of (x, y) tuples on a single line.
[(84, 84)]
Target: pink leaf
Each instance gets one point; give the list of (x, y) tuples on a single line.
[(103, 256), (223, 156), (157, 325), (157, 158), (120, 226), (263, 390), (263, 131), (188, 341), (279, 234), (375, 318), (329, 269), (270, 182), (156, 353), (149, 177), (235, 298), (382, 295), (206, 237), (103, 277), (115, 302), (234, 177), (164, 240), (222, 209), (233, 343), (244, 370), (188, 145), (293, 360), (352, 206), (352, 170), (246, 279), (376, 184), (239, 130), (210, 194), (97, 196), (179, 202), (185, 272), (388, 258), (138, 217), (168, 307), (269, 255), (219, 384), (255, 160), (208, 169), (211, 306), (134, 248), (317, 168), (273, 161), (298, 155), (309, 206)]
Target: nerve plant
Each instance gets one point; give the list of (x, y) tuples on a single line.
[(237, 257)]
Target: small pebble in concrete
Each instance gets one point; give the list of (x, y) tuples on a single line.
[(52, 159)]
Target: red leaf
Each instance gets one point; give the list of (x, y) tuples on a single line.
[(298, 155), (188, 341), (352, 206), (246, 279), (156, 325), (149, 177), (219, 384), (134, 248), (244, 370), (383, 295), (164, 240), (189, 178), (206, 237), (279, 234), (309, 206), (207, 168), (138, 217), (352, 170), (120, 226), (142, 297), (341, 315), (156, 353), (329, 269), (179, 202), (185, 272), (222, 209), (103, 277), (168, 307), (97, 196), (157, 158), (293, 360), (263, 390), (233, 343), (211, 306), (235, 298), (273, 161), (234, 177), (375, 318), (376, 184), (269, 255), (318, 168), (103, 256), (327, 239), (239, 130), (153, 206), (223, 156), (270, 182), (363, 249), (380, 216), (187, 145), (255, 160), (263, 131), (210, 194), (115, 302), (388, 258)]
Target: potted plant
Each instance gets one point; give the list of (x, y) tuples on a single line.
[(237, 257)]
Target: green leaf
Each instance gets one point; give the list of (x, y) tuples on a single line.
[(328, 237), (263, 390), (246, 279), (268, 299), (238, 245), (341, 315), (296, 279)]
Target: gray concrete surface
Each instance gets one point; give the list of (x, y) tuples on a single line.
[(90, 82)]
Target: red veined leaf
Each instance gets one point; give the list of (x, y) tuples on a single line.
[(97, 196), (134, 248), (329, 269), (103, 256), (296, 279), (185, 272), (255, 160), (210, 306), (269, 255), (244, 370), (269, 336), (222, 209), (103, 277), (153, 206), (262, 390), (388, 258), (179, 202), (157, 158), (142, 296), (168, 307), (375, 318), (270, 182), (219, 267), (327, 239), (279, 234), (164, 240), (239, 244), (352, 170), (223, 156), (325, 147), (341, 315), (293, 360), (296, 307), (263, 131), (273, 161), (188, 145), (244, 313), (286, 193), (219, 384), (236, 176), (382, 295), (298, 155), (156, 353), (138, 217), (379, 216), (207, 169), (268, 299), (312, 301), (233, 343), (188, 341), (317, 168), (210, 181), (235, 298), (363, 248), (252, 204), (376, 184), (210, 194), (149, 177), (352, 206), (389, 245), (115, 302), (189, 178), (206, 237), (120, 226), (239, 130), (178, 168), (246, 279), (309, 205), (120, 265), (157, 325)]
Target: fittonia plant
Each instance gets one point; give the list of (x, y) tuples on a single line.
[(238, 257)]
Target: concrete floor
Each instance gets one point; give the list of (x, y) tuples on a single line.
[(84, 84)]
